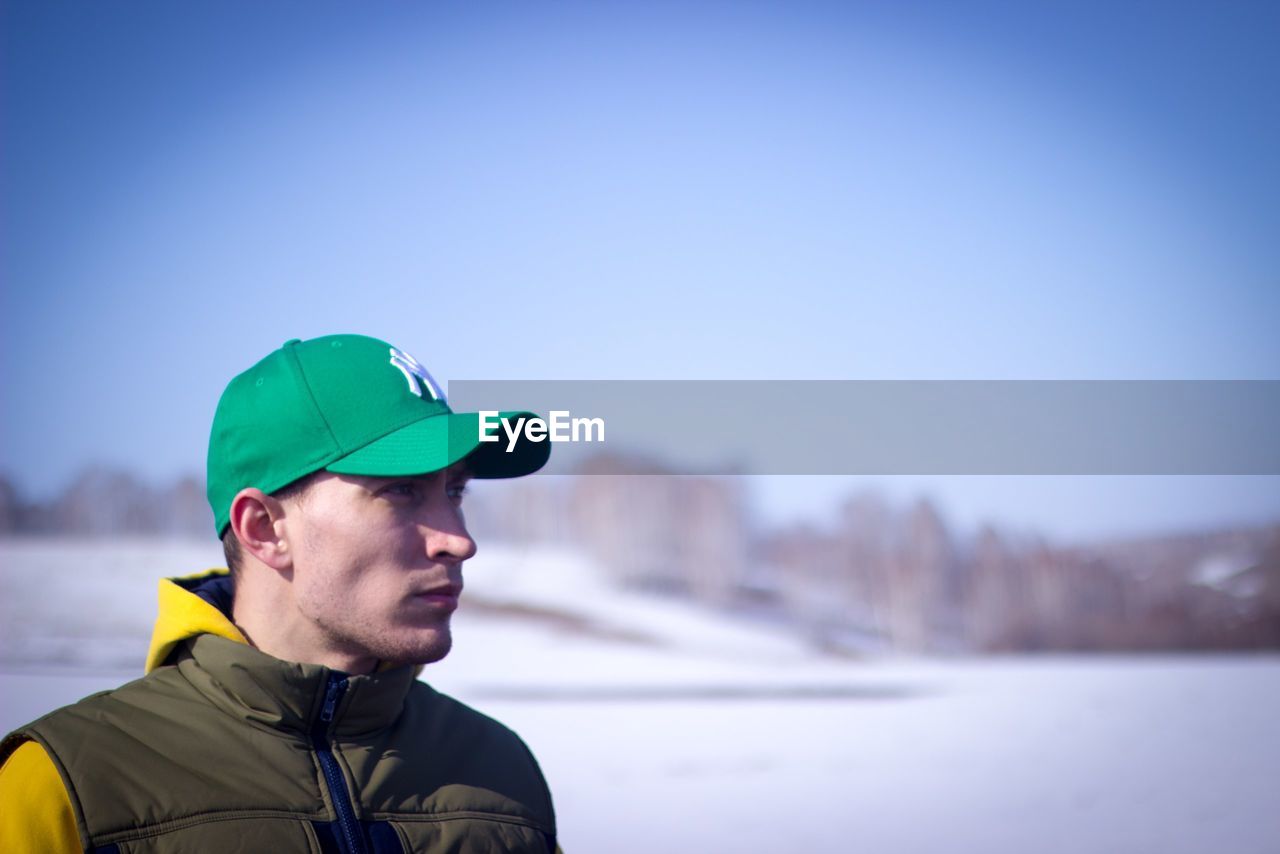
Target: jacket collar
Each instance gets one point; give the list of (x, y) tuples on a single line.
[(194, 629), (264, 691)]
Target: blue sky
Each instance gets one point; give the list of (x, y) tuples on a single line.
[(658, 190)]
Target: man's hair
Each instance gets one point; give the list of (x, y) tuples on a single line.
[(231, 544)]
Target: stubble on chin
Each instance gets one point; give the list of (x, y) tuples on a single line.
[(397, 651)]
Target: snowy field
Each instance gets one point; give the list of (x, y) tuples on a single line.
[(660, 727)]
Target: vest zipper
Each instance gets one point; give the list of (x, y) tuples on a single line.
[(351, 840)]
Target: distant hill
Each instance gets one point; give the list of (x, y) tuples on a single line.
[(104, 501), (882, 578)]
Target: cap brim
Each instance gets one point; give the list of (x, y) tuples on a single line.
[(438, 442)]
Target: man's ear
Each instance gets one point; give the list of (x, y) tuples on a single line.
[(254, 518)]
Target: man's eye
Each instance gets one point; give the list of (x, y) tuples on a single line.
[(457, 491), (409, 490)]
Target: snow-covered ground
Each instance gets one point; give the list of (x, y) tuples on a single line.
[(662, 727)]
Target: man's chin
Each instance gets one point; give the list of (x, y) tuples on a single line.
[(426, 651)]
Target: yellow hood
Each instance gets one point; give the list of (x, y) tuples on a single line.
[(184, 614)]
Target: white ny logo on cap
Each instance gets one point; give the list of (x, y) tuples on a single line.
[(416, 375)]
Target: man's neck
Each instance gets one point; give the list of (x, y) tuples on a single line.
[(270, 622)]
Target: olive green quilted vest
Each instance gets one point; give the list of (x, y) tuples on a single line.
[(231, 750)]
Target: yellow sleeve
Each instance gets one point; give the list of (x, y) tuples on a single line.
[(37, 814)]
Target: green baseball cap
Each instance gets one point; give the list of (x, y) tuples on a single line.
[(347, 404)]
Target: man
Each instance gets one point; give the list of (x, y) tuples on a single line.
[(281, 711)]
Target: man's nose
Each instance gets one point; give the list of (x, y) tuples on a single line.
[(447, 539)]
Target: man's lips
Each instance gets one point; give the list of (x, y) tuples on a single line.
[(445, 594)]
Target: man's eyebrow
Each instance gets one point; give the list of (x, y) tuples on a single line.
[(449, 473), (375, 480)]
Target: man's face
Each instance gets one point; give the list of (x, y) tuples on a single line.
[(377, 565)]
